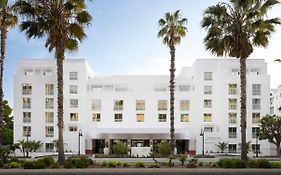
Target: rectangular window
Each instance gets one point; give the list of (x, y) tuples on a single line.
[(26, 103), (207, 103), (73, 75), (207, 117), (108, 88), (184, 88), (232, 118), (26, 89), (271, 110), (208, 129), (232, 148), (256, 89), (26, 131), (184, 105), (232, 132), (49, 103), (73, 103), (47, 72), (208, 90), (162, 117), (73, 116), (96, 117), (140, 105), (96, 88), (28, 72), (208, 76), (256, 103), (73, 128), (255, 131), (184, 118), (121, 87), (49, 147), (118, 117), (232, 103), (73, 89), (49, 89), (162, 105), (118, 105), (256, 118), (140, 117), (49, 131), (49, 117), (96, 105), (160, 87), (232, 89), (26, 117)]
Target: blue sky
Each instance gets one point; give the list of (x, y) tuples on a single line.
[(123, 40)]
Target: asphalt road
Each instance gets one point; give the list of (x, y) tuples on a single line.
[(143, 172)]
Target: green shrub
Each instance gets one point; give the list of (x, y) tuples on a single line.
[(1, 163), (126, 164), (13, 159), (212, 164), (262, 163), (275, 165), (28, 165), (14, 165), (232, 163), (253, 164), (112, 164), (83, 162), (49, 161), (192, 163), (39, 164), (183, 159), (55, 165), (68, 163), (155, 165), (118, 163), (104, 163), (164, 149), (140, 164), (238, 163), (120, 149), (78, 162), (201, 163)]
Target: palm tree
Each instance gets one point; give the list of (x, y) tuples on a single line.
[(172, 29), (8, 19), (222, 146), (235, 29), (62, 23)]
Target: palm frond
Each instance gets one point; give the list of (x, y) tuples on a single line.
[(172, 28)]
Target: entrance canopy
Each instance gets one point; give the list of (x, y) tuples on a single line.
[(139, 133)]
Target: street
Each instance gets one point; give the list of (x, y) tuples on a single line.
[(142, 171)]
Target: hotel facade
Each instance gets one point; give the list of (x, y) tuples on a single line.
[(134, 109)]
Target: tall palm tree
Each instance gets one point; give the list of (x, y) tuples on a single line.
[(62, 23), (8, 19), (235, 29), (172, 29)]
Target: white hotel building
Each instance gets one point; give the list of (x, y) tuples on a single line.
[(135, 108)]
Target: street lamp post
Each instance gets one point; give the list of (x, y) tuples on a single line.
[(257, 142), (203, 135), (27, 144), (80, 134)]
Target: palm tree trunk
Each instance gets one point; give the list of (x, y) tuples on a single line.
[(3, 52), (172, 98), (243, 101), (60, 58)]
